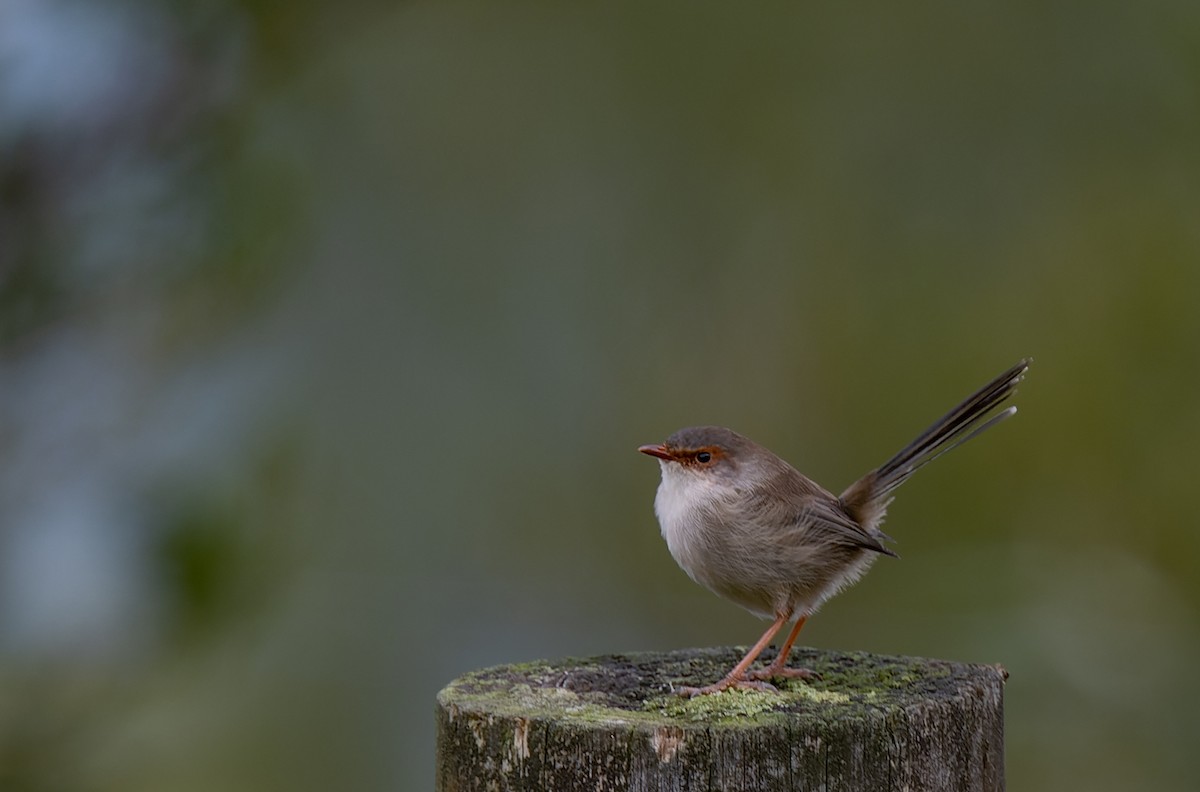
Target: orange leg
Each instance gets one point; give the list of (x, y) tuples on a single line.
[(778, 667), (737, 677)]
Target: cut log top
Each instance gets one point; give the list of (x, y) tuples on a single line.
[(613, 722)]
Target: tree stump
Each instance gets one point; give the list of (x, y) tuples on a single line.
[(870, 722)]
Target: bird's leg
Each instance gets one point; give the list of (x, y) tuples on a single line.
[(737, 677), (777, 668)]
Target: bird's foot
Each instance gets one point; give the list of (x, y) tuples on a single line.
[(783, 672), (728, 683)]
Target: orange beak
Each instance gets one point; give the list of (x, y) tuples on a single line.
[(659, 451)]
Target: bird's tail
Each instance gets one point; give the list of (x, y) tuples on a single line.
[(867, 498)]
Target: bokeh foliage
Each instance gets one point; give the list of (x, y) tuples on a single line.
[(392, 293)]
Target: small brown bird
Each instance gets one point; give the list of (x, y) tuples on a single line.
[(751, 528)]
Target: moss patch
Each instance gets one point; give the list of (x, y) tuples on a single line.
[(633, 689)]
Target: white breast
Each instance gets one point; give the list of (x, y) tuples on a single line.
[(682, 502)]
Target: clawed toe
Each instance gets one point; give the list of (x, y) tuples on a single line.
[(726, 684), (783, 672)]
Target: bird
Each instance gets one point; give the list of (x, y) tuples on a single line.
[(751, 528)]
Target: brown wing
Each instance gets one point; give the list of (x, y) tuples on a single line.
[(813, 511), (829, 518)]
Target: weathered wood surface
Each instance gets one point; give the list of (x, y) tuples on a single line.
[(871, 722)]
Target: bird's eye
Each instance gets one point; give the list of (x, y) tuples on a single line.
[(704, 457)]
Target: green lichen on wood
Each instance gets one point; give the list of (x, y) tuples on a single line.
[(639, 688), (615, 722)]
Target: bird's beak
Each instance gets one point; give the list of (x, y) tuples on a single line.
[(659, 451)]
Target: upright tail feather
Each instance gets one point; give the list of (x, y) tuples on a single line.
[(867, 498)]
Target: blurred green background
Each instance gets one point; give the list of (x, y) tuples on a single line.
[(328, 333)]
